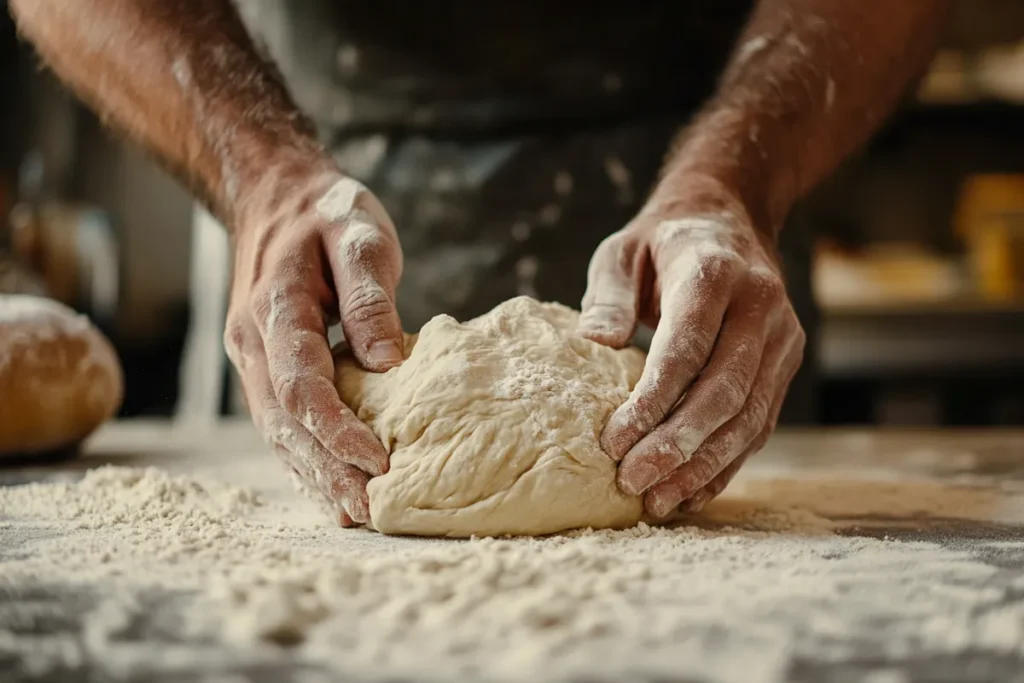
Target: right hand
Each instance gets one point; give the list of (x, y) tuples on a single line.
[(727, 342), (313, 248)]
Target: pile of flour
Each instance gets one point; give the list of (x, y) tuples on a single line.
[(230, 578)]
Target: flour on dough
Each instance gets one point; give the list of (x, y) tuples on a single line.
[(493, 426)]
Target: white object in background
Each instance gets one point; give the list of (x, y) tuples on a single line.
[(204, 360), (99, 264)]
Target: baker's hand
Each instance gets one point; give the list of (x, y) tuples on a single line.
[(309, 250), (726, 346)]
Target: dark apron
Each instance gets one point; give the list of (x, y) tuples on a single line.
[(505, 142)]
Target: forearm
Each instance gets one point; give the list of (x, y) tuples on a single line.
[(183, 79), (809, 81)]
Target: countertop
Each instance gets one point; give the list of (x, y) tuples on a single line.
[(959, 495)]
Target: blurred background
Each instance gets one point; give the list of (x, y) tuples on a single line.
[(918, 244)]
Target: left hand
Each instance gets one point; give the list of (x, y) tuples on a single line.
[(726, 346), (313, 246)]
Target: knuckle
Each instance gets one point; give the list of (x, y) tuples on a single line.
[(690, 352), (720, 264), (701, 471), (731, 389), (289, 394), (662, 452), (261, 303), (669, 454), (234, 334), (691, 430), (647, 412), (365, 302), (362, 239), (800, 339), (757, 412), (768, 285), (235, 341)]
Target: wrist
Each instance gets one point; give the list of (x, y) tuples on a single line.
[(723, 154), (283, 182), (704, 192)]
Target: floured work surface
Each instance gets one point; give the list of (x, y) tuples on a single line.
[(839, 557)]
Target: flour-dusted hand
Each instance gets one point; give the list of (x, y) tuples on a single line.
[(310, 244), (309, 250), (726, 346)]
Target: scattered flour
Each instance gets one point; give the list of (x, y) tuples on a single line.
[(756, 587)]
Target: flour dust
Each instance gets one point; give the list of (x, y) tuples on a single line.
[(218, 577)]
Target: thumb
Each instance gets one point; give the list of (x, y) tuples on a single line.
[(366, 265), (610, 302)]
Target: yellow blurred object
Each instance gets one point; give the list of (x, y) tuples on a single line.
[(884, 275), (959, 76), (990, 221)]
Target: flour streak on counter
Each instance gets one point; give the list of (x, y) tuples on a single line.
[(233, 579)]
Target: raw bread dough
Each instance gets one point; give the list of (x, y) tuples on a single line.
[(59, 376), (493, 426)]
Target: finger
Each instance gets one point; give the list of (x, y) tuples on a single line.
[(609, 309), (366, 265), (334, 510), (720, 482), (730, 440), (339, 487), (341, 484), (717, 395), (692, 310), (301, 368), (246, 352)]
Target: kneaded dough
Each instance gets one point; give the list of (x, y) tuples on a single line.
[(59, 376), (493, 426)]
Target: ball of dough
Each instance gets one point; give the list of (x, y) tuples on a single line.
[(59, 377), (493, 426)]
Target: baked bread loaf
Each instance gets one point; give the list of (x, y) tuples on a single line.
[(60, 378)]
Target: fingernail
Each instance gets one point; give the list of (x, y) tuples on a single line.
[(600, 331), (617, 437), (639, 478), (358, 508), (385, 354)]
